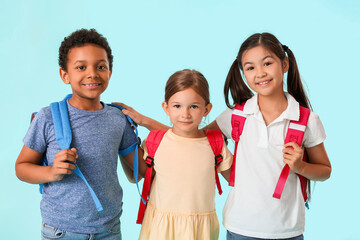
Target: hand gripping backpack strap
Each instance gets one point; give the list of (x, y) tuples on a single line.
[(238, 119), (152, 144), (63, 135), (295, 134), (216, 142), (130, 149)]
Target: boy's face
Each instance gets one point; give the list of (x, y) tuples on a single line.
[(87, 72)]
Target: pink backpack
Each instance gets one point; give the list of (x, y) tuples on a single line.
[(152, 143), (295, 133)]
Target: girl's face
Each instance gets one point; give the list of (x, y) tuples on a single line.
[(264, 71), (186, 110)]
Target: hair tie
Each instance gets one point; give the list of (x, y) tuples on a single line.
[(285, 48)]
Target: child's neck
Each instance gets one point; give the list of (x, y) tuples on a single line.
[(193, 134), (271, 107), (86, 104)]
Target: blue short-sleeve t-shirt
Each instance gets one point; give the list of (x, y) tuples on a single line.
[(98, 136)]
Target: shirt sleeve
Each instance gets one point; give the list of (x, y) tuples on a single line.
[(143, 146), (224, 122), (129, 140), (315, 132), (227, 159), (37, 136)]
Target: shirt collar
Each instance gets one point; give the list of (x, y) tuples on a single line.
[(292, 112)]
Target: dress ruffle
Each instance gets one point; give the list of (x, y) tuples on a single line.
[(161, 225)]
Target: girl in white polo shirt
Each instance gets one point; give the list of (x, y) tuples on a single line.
[(251, 211)]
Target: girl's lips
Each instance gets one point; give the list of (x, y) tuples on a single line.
[(263, 83)]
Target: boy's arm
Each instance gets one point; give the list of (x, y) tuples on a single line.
[(226, 174), (127, 162), (142, 120), (29, 169)]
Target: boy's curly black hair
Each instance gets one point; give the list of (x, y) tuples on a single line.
[(80, 38)]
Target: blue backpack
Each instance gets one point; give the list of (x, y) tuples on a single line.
[(60, 115)]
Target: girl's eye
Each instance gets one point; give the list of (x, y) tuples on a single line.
[(250, 68), (101, 67), (267, 64)]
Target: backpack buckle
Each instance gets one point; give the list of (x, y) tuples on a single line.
[(149, 161), (218, 159)]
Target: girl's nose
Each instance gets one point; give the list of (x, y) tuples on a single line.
[(186, 113), (260, 73)]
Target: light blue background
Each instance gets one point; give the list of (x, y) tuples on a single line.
[(153, 39)]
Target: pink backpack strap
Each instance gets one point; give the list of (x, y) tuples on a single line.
[(216, 142), (152, 143), (295, 133), (238, 119)]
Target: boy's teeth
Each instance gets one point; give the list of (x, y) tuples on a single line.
[(96, 84)]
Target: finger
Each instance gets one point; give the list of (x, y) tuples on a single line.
[(292, 144), (74, 151), (66, 156), (64, 165), (288, 151), (121, 104)]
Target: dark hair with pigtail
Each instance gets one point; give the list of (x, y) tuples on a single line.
[(240, 92)]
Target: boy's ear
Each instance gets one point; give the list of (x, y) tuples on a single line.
[(165, 107), (285, 64), (64, 75), (208, 108)]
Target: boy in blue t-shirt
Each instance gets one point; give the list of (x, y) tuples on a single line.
[(99, 133)]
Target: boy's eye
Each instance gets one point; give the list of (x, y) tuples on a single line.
[(194, 106), (176, 106), (102, 67), (81, 67)]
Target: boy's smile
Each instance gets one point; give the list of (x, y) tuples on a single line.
[(88, 74)]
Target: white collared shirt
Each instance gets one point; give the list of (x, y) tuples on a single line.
[(250, 209)]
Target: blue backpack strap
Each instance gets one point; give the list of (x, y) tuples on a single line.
[(63, 135), (130, 149)]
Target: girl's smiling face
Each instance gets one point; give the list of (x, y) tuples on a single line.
[(264, 71), (186, 110)]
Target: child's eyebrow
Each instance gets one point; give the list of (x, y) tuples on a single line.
[(83, 61), (262, 60)]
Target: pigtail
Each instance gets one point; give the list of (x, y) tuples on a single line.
[(296, 89), (294, 84), (236, 85)]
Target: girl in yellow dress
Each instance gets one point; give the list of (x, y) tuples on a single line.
[(182, 196)]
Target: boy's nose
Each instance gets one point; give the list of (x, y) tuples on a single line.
[(93, 73)]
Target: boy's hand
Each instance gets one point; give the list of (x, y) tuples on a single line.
[(293, 156), (134, 115), (63, 164)]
